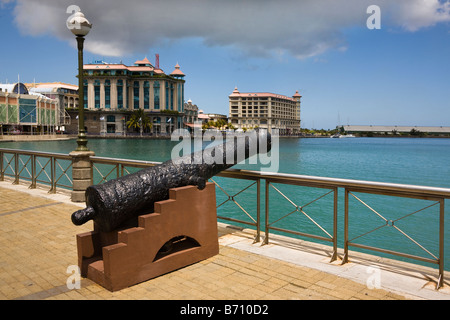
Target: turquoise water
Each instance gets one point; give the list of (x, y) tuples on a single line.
[(397, 160)]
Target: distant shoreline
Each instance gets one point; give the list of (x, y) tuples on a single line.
[(71, 137)]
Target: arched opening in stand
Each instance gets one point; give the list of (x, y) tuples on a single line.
[(174, 245)]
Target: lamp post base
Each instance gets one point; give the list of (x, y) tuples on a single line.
[(81, 174), (82, 142)]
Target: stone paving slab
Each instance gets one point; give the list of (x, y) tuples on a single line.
[(37, 246)]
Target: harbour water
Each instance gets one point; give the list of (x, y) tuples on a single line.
[(417, 161)]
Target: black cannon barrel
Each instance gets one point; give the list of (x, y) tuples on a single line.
[(117, 201)]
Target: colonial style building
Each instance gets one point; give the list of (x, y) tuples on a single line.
[(265, 110), (24, 112), (113, 91)]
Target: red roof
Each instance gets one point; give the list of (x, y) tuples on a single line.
[(144, 61), (140, 65), (297, 94), (177, 71)]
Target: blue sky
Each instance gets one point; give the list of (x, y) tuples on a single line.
[(346, 73)]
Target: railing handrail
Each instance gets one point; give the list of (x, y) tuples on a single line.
[(124, 161), (282, 177), (37, 153), (339, 182)]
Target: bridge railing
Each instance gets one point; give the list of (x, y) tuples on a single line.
[(249, 193)]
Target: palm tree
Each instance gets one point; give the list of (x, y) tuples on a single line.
[(139, 120)]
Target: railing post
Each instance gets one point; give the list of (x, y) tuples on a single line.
[(52, 175), (345, 258), (441, 244), (33, 172), (2, 173), (16, 168), (258, 211), (335, 228), (81, 174), (266, 230)]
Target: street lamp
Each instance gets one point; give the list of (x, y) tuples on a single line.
[(80, 27)]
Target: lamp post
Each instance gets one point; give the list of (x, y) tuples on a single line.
[(80, 27), (81, 164)]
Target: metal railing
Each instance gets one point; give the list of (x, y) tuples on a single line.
[(350, 187), (103, 168), (52, 169)]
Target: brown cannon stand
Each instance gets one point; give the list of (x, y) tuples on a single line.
[(181, 231)]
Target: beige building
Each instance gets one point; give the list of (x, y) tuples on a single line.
[(113, 91), (265, 110)]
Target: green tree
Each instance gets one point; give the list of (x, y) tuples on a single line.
[(139, 120), (220, 124), (415, 132), (231, 127)]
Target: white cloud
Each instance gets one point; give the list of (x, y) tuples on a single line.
[(302, 29), (422, 13)]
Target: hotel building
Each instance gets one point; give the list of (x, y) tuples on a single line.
[(24, 112), (265, 110), (113, 91)]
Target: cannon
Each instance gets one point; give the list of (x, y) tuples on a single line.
[(118, 203)]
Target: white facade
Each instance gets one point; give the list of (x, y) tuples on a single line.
[(265, 110)]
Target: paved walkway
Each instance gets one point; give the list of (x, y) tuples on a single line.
[(37, 246)]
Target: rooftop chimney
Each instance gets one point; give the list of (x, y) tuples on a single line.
[(157, 61)]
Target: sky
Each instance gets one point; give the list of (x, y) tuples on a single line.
[(389, 65)]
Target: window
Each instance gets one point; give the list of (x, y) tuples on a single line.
[(97, 94), (171, 96), (156, 94), (119, 94), (136, 94), (107, 94), (167, 95), (146, 95), (110, 128), (180, 97)]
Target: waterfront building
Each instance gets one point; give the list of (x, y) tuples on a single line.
[(202, 117), (113, 91), (217, 116), (24, 112), (207, 117), (66, 94), (190, 114), (265, 110)]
